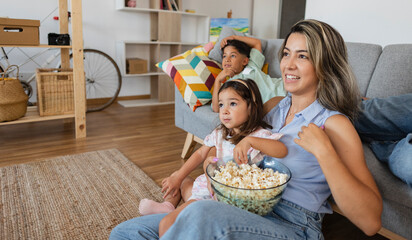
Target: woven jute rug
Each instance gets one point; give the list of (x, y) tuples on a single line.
[(81, 196)]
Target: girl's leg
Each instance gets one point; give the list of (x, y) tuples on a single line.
[(147, 206), (170, 218), (146, 227), (186, 188)]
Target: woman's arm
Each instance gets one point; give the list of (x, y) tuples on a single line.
[(339, 152), (250, 41), (273, 148)]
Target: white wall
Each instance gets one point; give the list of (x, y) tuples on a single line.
[(103, 25), (219, 8), (371, 21), (266, 18)]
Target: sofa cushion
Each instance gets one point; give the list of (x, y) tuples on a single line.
[(194, 74), (271, 57), (363, 58), (393, 72), (200, 123), (390, 186), (396, 196)]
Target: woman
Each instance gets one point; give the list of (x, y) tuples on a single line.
[(324, 154)]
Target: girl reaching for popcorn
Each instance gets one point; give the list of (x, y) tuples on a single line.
[(241, 133)]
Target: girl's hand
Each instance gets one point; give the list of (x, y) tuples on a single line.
[(171, 185), (313, 139), (240, 151), (211, 159), (224, 40)]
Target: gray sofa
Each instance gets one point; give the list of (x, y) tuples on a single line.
[(381, 72)]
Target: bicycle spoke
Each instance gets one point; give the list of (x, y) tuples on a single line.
[(103, 79)]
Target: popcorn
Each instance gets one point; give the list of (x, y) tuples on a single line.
[(251, 188), (249, 176)]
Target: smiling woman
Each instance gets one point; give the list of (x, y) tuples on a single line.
[(322, 161), (318, 45)]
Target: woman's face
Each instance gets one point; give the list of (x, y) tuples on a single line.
[(298, 72), (233, 109)]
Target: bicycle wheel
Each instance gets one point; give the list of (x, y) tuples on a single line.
[(103, 79)]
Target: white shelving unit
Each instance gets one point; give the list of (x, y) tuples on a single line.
[(171, 33)]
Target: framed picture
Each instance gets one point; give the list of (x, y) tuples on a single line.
[(216, 24)]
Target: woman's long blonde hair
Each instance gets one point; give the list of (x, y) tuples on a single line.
[(337, 88)]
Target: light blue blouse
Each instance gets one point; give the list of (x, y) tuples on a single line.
[(307, 187)]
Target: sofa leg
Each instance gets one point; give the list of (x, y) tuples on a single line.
[(190, 144)]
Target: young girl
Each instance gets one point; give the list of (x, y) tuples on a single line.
[(240, 134), (242, 59)]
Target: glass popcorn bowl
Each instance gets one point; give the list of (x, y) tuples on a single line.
[(258, 201)]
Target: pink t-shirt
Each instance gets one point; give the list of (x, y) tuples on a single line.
[(224, 149)]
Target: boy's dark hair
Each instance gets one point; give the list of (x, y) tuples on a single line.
[(242, 47), (250, 93)]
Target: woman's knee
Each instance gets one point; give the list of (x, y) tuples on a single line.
[(165, 224), (145, 227), (208, 209)]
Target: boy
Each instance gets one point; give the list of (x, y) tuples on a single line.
[(243, 59)]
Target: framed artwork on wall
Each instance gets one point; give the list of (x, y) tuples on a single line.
[(216, 24)]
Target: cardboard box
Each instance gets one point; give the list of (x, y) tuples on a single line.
[(19, 31), (136, 66)]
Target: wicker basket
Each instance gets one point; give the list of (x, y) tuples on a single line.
[(13, 99), (55, 91)]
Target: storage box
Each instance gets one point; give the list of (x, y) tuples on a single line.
[(19, 31), (136, 66), (55, 91)]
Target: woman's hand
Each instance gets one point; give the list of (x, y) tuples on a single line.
[(313, 139), (240, 151), (171, 185), (224, 40)]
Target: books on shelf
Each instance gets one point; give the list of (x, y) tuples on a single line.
[(169, 5), (174, 5)]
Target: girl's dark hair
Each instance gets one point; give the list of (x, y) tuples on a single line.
[(242, 47), (250, 93)]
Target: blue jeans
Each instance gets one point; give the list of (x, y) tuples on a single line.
[(386, 124), (207, 219)]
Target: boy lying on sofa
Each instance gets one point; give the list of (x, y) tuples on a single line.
[(243, 59)]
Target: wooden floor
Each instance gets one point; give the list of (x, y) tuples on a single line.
[(145, 135)]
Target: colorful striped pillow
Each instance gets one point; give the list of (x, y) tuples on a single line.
[(194, 74)]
